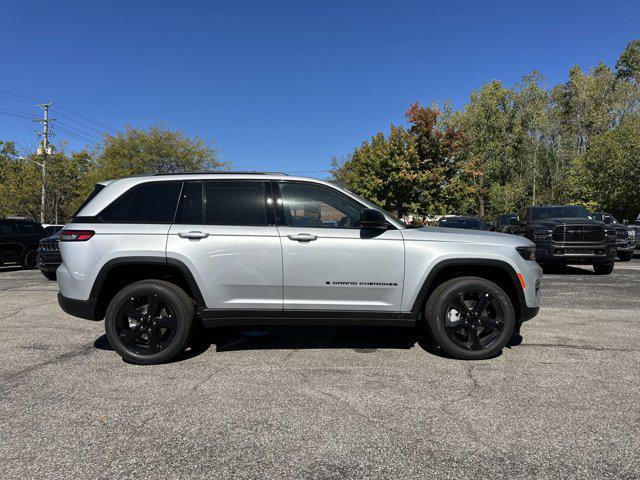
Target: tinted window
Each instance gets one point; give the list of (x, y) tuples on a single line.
[(235, 203), (307, 205), (153, 202), (542, 213), (28, 228), (7, 228), (190, 209)]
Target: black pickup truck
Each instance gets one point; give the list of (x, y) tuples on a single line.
[(566, 235)]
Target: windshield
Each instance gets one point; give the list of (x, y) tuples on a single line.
[(473, 223), (600, 216), (571, 211)]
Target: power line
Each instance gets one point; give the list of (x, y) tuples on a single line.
[(86, 125), (82, 132), (88, 119), (77, 136)]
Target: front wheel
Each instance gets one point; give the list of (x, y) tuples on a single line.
[(625, 256), (149, 322), (603, 268), (470, 318)]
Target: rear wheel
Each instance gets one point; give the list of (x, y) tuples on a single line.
[(149, 322), (470, 318), (30, 260), (603, 268)]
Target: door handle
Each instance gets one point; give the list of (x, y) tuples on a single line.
[(303, 237), (193, 235)]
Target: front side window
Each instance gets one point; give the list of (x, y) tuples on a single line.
[(308, 205), (235, 203), (152, 202)]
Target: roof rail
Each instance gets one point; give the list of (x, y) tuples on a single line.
[(220, 172)]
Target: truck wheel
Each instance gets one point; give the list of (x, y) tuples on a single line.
[(470, 318), (625, 256), (30, 260), (149, 322), (50, 276), (603, 268)]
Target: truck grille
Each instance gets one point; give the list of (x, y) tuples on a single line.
[(578, 233), (49, 247)]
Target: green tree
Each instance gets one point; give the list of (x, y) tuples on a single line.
[(156, 150), (410, 172), (611, 171)]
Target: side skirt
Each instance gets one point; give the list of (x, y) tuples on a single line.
[(222, 318)]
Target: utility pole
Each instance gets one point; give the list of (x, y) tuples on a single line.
[(43, 150)]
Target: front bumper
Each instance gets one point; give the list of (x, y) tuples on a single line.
[(575, 253), (49, 262)]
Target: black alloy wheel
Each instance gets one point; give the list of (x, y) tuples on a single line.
[(474, 320), (145, 323), (470, 318), (30, 260), (150, 322)]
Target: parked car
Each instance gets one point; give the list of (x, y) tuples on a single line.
[(459, 221), (636, 224), (504, 221), (52, 229), (566, 235), (19, 237), (49, 258), (156, 255), (625, 235)]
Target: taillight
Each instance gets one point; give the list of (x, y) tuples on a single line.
[(76, 235)]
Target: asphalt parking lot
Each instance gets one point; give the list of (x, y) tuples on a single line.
[(326, 403)]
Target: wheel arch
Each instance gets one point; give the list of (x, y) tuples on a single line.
[(498, 271), (122, 271)]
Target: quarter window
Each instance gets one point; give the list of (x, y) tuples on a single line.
[(152, 202), (307, 205), (235, 203)]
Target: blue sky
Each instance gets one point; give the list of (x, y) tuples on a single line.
[(283, 86)]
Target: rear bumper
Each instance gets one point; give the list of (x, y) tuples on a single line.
[(78, 308), (527, 313)]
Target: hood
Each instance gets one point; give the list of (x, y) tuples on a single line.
[(459, 235)]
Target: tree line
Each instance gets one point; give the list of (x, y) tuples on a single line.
[(577, 142), (70, 176)]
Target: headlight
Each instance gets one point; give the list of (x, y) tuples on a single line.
[(528, 253), (632, 233), (542, 235)]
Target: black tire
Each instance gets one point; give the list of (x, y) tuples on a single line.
[(603, 268), (625, 256), (167, 329), (50, 276), (30, 260), (486, 332)]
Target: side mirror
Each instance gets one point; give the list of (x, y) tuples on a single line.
[(372, 218), (606, 218), (625, 222)]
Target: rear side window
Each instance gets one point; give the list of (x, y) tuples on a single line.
[(7, 228), (235, 203), (96, 190), (152, 202), (190, 210)]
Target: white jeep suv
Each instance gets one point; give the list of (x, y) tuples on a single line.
[(157, 255)]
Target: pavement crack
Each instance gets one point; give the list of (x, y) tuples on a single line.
[(85, 350), (592, 348)]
